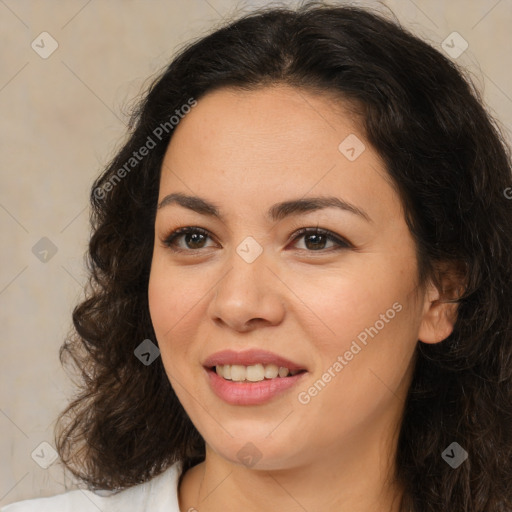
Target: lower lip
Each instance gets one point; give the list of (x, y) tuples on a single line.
[(250, 393)]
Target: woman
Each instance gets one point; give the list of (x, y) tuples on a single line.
[(301, 276)]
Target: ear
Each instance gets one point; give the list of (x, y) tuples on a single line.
[(440, 310)]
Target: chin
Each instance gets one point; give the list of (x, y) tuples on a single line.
[(255, 449)]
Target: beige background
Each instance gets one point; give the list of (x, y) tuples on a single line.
[(61, 119)]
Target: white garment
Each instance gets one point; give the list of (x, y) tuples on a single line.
[(160, 494)]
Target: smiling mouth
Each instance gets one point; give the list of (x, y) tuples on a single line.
[(253, 373)]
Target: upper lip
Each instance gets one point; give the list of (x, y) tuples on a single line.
[(248, 358)]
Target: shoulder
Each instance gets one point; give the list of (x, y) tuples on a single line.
[(158, 495)]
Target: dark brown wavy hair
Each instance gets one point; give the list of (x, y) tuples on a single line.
[(445, 155)]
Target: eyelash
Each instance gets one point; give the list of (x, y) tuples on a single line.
[(170, 240)]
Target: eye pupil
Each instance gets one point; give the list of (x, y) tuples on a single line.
[(318, 244), (193, 238)]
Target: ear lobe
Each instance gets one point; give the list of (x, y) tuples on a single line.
[(440, 308)]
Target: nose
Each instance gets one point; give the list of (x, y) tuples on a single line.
[(249, 295)]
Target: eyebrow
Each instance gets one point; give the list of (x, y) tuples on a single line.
[(276, 212)]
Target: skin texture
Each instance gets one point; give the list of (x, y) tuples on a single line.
[(245, 151)]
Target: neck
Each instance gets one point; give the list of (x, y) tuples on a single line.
[(355, 477)]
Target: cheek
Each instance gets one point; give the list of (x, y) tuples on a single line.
[(342, 304), (170, 293), (163, 301), (365, 334), (379, 328), (167, 301), (177, 299)]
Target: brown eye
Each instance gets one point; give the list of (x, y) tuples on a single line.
[(194, 238), (315, 239), (189, 239)]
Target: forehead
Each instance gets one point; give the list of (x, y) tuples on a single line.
[(279, 116), (273, 142)]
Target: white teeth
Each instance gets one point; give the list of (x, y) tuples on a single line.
[(226, 370), (271, 371), (283, 372), (252, 373), (238, 373), (255, 373)]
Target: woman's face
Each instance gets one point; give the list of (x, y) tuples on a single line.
[(244, 291)]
